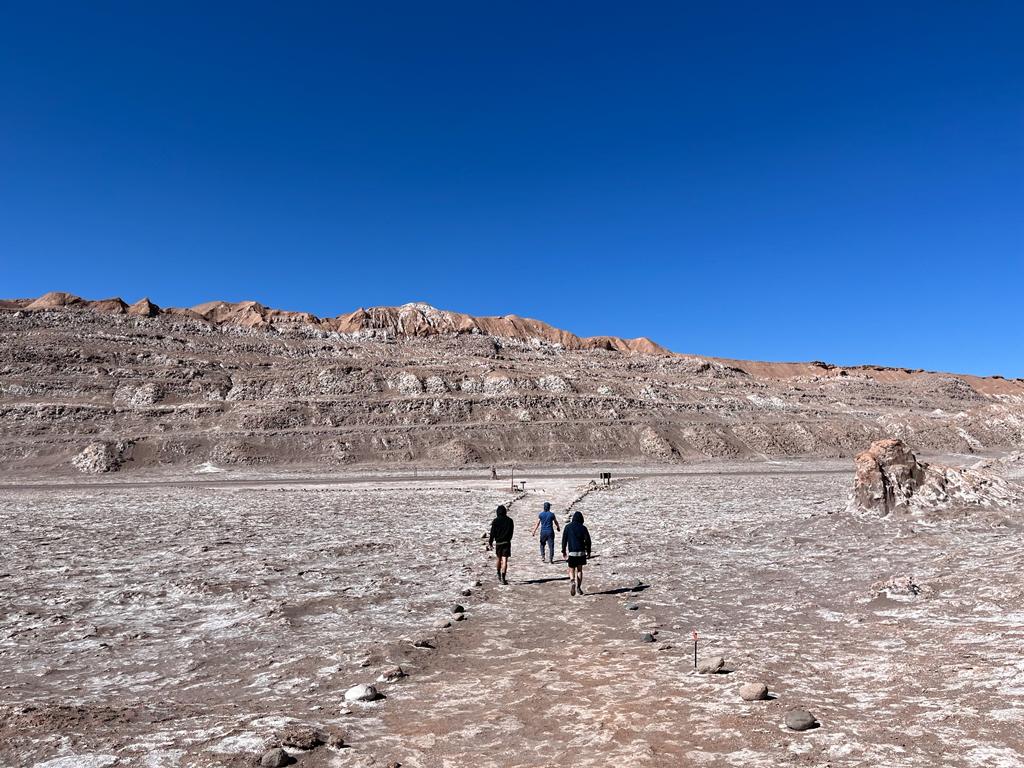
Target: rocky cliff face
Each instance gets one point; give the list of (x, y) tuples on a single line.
[(241, 383)]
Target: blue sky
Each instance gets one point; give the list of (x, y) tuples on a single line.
[(782, 181)]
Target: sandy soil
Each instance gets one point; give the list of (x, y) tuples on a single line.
[(187, 626)]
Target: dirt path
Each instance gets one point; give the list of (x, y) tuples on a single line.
[(536, 677)]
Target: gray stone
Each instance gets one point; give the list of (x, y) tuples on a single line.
[(467, 592), (800, 720), (457, 608), (711, 665), (632, 607), (442, 624), (275, 758), (362, 692), (460, 617), (754, 692), (422, 643), (648, 637)]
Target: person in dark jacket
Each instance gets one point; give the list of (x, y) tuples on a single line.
[(576, 550), (502, 527)]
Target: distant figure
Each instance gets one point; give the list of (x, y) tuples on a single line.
[(494, 473), (548, 524), (500, 539), (576, 550)]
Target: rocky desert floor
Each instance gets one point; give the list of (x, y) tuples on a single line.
[(157, 624)]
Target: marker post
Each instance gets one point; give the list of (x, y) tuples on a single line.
[(695, 649)]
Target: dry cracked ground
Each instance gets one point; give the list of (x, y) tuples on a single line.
[(159, 626)]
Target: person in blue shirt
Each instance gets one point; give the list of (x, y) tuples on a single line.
[(548, 524)]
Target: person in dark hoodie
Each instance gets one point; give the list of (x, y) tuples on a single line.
[(502, 527), (576, 550)]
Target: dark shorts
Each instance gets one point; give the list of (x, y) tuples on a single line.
[(503, 550), (577, 562)]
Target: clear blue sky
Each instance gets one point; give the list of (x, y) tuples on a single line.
[(783, 180)]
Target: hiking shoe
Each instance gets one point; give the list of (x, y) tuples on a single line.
[(572, 589), (579, 589), (504, 581)]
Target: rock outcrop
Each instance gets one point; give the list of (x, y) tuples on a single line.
[(890, 479), (99, 457)]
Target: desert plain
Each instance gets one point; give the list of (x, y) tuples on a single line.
[(197, 623)]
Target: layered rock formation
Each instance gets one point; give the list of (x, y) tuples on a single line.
[(889, 479), (243, 384)]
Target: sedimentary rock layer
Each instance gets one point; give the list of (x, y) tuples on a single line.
[(240, 383)]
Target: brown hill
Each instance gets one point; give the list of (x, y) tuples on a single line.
[(238, 382)]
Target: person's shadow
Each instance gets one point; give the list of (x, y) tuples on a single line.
[(621, 590), (545, 580)]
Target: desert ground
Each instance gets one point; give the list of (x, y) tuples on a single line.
[(198, 623)]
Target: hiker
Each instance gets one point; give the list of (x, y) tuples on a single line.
[(547, 523), (500, 539), (576, 550)]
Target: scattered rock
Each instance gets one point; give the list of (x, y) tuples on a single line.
[(457, 608), (362, 692), (632, 607), (275, 758), (335, 739), (423, 643), (754, 692), (460, 617), (800, 720), (303, 737), (901, 587), (647, 638), (391, 675), (710, 665), (441, 624), (467, 592)]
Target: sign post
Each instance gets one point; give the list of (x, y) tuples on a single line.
[(695, 649)]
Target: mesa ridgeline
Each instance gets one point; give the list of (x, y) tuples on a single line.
[(108, 384)]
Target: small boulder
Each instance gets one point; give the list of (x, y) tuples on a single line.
[(441, 624), (422, 643), (460, 617), (632, 607), (711, 665), (362, 692), (303, 737), (754, 692), (275, 758), (466, 592), (457, 609), (800, 720), (647, 637), (391, 675)]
